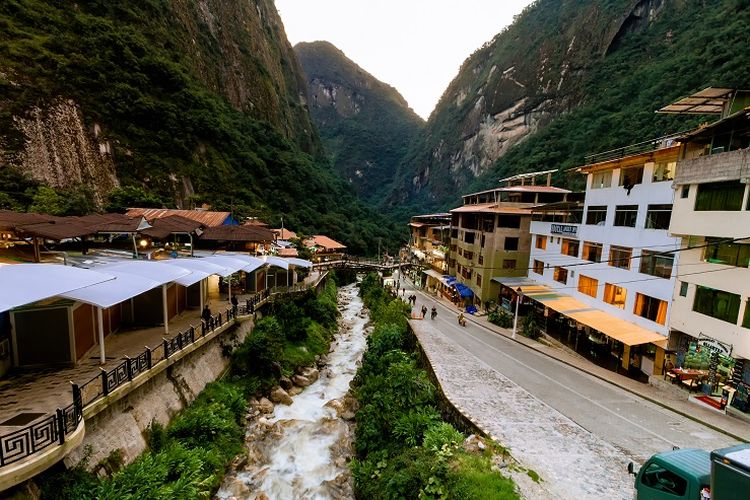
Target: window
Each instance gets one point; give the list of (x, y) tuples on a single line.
[(664, 171), (631, 176), (658, 478), (615, 295), (469, 237), (481, 244), (626, 215), (683, 289), (601, 180), (685, 192), (561, 275), (538, 267), (570, 247), (655, 264), (511, 221), (454, 233), (746, 319), (488, 224), (658, 216), (479, 279), (725, 196), (541, 242), (587, 286), (620, 256), (592, 251), (717, 304), (468, 255), (596, 215), (650, 308), (509, 263), (719, 251), (481, 260), (511, 244)]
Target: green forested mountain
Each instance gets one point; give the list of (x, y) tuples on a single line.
[(568, 78), (365, 124), (164, 102)]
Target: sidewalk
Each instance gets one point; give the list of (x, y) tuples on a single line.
[(726, 424)]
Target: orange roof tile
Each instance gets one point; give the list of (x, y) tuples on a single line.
[(493, 208), (206, 217), (324, 242), (284, 234)]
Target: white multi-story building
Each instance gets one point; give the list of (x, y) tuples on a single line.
[(605, 271)]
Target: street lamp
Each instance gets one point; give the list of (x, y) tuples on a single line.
[(519, 294)]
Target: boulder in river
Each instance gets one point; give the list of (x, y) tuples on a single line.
[(280, 396), (265, 406), (301, 380), (286, 383), (294, 390)]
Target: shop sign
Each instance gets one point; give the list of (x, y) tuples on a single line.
[(564, 229), (715, 346)]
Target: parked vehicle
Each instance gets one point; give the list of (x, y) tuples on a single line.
[(694, 474)]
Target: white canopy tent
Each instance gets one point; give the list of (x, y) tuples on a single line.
[(294, 261), (203, 268), (272, 260), (27, 283), (249, 264), (103, 295)]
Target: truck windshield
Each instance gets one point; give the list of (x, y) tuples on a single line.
[(658, 478)]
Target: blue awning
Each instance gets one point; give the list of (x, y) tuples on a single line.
[(463, 290)]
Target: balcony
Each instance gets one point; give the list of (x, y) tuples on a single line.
[(715, 167)]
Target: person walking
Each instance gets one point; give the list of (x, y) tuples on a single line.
[(424, 311), (433, 313), (235, 304)]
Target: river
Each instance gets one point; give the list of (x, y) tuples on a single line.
[(301, 450)]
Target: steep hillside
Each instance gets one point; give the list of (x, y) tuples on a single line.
[(569, 78), (365, 124), (181, 102)]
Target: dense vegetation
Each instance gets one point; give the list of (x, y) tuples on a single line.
[(597, 71), (404, 448), (189, 457), (147, 72), (366, 128)]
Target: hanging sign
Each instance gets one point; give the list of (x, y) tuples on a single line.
[(714, 345)]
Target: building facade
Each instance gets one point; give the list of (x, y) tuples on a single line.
[(429, 238)]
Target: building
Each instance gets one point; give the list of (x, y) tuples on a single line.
[(602, 273), (325, 248), (206, 218), (490, 236), (429, 239), (711, 216)]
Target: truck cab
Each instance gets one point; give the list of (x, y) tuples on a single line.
[(674, 475)]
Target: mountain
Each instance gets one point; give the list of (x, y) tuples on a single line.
[(104, 104), (569, 78), (365, 124)]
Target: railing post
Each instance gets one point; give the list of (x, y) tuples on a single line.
[(105, 385), (166, 348), (148, 357), (179, 340), (192, 334), (60, 426), (129, 366), (77, 399)]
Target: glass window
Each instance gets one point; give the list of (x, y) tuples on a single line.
[(509, 263), (570, 247), (596, 215), (626, 215), (615, 295), (588, 286), (656, 264), (664, 171), (685, 192), (631, 176), (469, 237), (717, 304), (480, 260), (601, 180), (511, 244), (620, 256), (541, 242), (719, 251), (724, 196), (479, 279), (512, 221), (658, 216), (538, 267), (683, 289), (592, 251), (650, 308), (658, 478), (561, 275)]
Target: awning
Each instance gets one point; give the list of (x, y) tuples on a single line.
[(624, 331), (276, 261), (230, 263), (463, 290), (293, 261), (198, 265), (433, 273), (27, 283), (148, 269), (125, 286)]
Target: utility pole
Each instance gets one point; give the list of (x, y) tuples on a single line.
[(378, 249)]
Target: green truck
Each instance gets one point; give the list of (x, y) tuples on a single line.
[(694, 474)]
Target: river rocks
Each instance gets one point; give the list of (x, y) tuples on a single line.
[(237, 489), (311, 373), (294, 391), (301, 380), (286, 383), (280, 396), (474, 444), (265, 406)]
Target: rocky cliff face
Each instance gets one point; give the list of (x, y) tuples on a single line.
[(365, 124), (512, 87)]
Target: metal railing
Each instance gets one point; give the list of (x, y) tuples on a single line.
[(52, 429), (633, 149)]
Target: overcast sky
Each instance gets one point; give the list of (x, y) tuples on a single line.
[(415, 45)]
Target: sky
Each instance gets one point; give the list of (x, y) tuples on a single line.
[(416, 46)]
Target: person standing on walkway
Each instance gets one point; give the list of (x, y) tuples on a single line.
[(424, 311), (235, 303), (433, 313)]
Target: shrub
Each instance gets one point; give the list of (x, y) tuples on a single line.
[(261, 350), (441, 434), (530, 327), (500, 318)]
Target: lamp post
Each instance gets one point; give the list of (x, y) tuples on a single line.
[(519, 294)]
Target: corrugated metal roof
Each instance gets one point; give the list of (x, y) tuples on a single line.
[(206, 217), (493, 208), (284, 234), (251, 234), (325, 242), (173, 224)]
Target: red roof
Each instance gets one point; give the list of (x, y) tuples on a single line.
[(494, 208), (324, 242), (284, 234), (238, 233), (173, 224), (205, 217), (287, 252)]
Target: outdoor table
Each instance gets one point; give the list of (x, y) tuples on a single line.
[(687, 375)]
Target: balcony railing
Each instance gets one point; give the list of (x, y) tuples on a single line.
[(666, 141)]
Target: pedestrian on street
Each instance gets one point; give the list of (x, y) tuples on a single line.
[(424, 311), (433, 313), (403, 292)]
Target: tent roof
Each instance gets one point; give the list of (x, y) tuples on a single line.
[(198, 265), (272, 260), (26, 283), (252, 263), (233, 262), (125, 286), (293, 261), (148, 269)]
